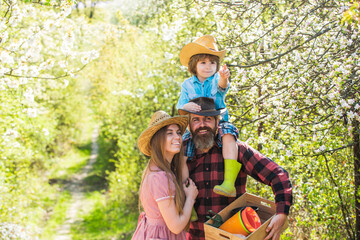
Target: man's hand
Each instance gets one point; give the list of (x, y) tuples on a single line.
[(274, 227)]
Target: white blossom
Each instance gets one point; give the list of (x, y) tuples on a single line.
[(351, 101), (13, 84), (344, 104), (289, 153), (29, 95), (5, 57), (338, 112), (32, 112), (85, 59), (66, 83), (125, 92), (351, 114), (168, 55), (45, 131)]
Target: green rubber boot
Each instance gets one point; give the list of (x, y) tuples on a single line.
[(194, 216), (227, 188)]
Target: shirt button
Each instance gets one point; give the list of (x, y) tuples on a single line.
[(207, 169), (207, 183)]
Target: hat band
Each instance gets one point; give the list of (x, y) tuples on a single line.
[(158, 120), (209, 110)]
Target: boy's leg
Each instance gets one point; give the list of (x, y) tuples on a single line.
[(231, 168), (229, 147)]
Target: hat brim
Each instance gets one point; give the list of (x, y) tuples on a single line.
[(193, 48), (147, 134), (203, 113)]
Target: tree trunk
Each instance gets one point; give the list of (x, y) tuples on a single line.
[(261, 123), (356, 149)]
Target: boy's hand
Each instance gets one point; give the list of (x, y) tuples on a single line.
[(192, 107), (224, 73)]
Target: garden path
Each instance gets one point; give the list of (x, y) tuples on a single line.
[(76, 189)]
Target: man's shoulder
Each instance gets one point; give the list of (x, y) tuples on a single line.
[(186, 137)]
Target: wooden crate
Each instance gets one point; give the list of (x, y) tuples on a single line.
[(267, 210)]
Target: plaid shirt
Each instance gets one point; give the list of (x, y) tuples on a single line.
[(207, 170)]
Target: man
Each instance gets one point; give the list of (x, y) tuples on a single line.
[(206, 168)]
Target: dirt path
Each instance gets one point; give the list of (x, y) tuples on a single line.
[(76, 189)]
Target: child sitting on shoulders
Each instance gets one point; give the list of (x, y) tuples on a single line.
[(203, 58)]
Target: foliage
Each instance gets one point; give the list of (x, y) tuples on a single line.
[(352, 15), (294, 93), (131, 88), (42, 108)]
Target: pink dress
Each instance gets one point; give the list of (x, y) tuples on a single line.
[(152, 226)]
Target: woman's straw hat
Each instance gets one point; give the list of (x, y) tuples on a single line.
[(159, 120), (203, 45)]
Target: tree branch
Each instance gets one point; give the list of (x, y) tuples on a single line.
[(285, 53)]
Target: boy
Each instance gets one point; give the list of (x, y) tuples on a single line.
[(203, 61)]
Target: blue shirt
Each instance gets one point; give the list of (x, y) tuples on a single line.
[(192, 88)]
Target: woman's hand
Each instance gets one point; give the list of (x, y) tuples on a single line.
[(190, 189)]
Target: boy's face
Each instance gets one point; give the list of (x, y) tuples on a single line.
[(205, 68)]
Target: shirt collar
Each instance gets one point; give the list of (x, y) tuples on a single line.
[(195, 79)]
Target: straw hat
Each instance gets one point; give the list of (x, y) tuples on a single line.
[(207, 107), (159, 120), (203, 45)]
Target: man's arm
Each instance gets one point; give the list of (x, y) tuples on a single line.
[(270, 173)]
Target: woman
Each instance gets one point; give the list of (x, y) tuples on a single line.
[(166, 200)]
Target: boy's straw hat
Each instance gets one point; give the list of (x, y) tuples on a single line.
[(203, 45), (159, 120)]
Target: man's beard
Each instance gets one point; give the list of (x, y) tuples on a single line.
[(204, 141)]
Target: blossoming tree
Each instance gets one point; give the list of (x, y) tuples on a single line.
[(294, 94), (39, 58)]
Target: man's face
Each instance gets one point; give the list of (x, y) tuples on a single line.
[(203, 130)]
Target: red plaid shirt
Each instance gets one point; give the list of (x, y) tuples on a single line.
[(207, 170)]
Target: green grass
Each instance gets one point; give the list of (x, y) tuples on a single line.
[(104, 220), (56, 216), (101, 218), (59, 175), (71, 163)]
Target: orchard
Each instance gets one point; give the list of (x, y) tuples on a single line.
[(69, 67)]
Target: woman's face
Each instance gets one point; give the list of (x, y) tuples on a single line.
[(173, 141)]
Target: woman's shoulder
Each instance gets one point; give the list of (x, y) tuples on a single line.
[(157, 182), (157, 175)]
